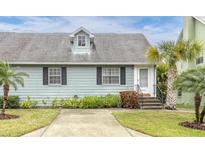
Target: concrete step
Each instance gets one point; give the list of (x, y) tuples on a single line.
[(152, 107), (153, 100), (152, 104)]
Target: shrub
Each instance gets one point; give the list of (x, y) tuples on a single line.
[(35, 103), (44, 102), (13, 102), (26, 104), (112, 101), (91, 102), (54, 103), (70, 103), (130, 99)]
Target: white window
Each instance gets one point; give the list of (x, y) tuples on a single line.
[(81, 40), (144, 77), (111, 75), (54, 76)]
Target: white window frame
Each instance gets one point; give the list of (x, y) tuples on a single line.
[(54, 75), (109, 76), (147, 76), (78, 40)]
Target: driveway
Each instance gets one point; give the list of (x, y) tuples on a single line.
[(85, 123)]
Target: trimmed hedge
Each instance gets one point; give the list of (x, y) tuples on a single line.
[(13, 102), (91, 102)]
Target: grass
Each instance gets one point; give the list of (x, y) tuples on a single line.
[(158, 123), (29, 120), (187, 106)]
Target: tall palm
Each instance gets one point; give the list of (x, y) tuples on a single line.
[(9, 77), (170, 53), (193, 80)]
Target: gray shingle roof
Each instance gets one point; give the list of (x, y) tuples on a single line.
[(55, 48)]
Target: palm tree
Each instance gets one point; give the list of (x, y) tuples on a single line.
[(162, 70), (193, 80), (9, 77), (170, 53)]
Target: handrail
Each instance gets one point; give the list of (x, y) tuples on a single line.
[(139, 91), (161, 95)]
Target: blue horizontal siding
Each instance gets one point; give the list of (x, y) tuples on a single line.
[(81, 81)]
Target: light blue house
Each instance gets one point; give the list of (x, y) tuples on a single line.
[(81, 63)]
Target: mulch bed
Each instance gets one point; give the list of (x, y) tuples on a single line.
[(8, 116), (192, 125)]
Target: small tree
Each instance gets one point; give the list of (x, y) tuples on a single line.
[(170, 53), (9, 77), (193, 80)]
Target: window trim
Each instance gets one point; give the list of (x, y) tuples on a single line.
[(110, 75), (78, 40), (147, 76), (52, 84)]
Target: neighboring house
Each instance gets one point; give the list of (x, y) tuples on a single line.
[(64, 65), (193, 29)]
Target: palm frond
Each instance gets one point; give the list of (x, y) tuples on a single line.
[(153, 55), (192, 80)]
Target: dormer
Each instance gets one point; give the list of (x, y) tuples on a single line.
[(81, 41)]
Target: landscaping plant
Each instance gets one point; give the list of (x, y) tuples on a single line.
[(54, 103), (9, 77), (13, 102), (193, 80), (170, 53), (26, 104), (35, 103)]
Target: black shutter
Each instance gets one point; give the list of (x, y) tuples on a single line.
[(99, 75), (64, 75), (122, 75), (45, 75)]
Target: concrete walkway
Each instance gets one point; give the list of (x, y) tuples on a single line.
[(85, 123)]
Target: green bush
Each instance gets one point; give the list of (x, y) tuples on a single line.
[(54, 104), (112, 101), (44, 102), (26, 104), (13, 102), (35, 103), (70, 103), (89, 102)]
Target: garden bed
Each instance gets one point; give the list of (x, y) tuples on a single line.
[(192, 125), (8, 116)]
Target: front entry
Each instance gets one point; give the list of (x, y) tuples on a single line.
[(145, 77)]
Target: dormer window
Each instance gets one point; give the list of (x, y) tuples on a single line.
[(81, 40)]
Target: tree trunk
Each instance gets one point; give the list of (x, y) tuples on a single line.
[(202, 115), (5, 97), (171, 93), (197, 100)]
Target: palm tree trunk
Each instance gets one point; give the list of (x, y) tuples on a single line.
[(197, 106), (5, 97), (171, 94), (202, 115)]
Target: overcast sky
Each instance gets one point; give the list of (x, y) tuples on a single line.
[(155, 28)]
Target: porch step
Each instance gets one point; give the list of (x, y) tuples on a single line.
[(152, 107), (150, 103)]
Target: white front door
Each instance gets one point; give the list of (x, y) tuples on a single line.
[(143, 79)]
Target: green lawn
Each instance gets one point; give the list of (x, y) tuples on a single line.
[(29, 120), (158, 123)]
